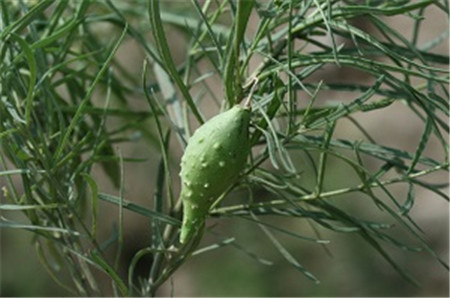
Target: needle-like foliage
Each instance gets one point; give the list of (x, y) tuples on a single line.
[(67, 102)]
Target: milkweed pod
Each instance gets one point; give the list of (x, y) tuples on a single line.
[(215, 155)]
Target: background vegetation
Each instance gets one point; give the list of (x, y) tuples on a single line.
[(347, 183)]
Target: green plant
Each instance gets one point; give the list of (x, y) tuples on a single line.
[(69, 105)]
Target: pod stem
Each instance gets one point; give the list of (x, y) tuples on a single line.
[(184, 252), (248, 101)]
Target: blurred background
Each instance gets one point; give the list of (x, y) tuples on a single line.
[(349, 268)]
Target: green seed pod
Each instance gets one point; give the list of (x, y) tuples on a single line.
[(215, 155)]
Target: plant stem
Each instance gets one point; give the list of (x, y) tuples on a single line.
[(327, 194)]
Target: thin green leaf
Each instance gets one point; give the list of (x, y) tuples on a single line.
[(82, 105), (32, 73), (164, 51), (139, 209), (110, 271), (287, 256)]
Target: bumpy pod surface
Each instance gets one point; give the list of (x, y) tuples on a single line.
[(215, 155)]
